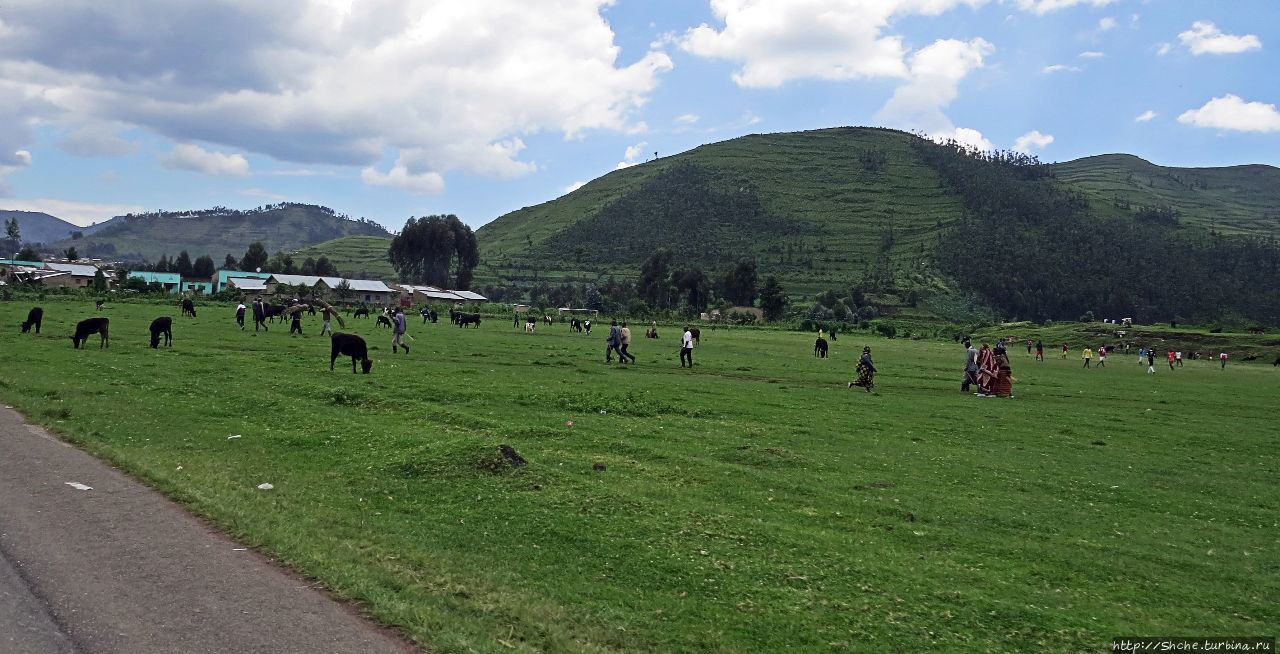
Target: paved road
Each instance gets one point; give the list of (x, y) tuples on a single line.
[(119, 568)]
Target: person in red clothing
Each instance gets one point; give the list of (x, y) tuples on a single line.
[(1170, 355)]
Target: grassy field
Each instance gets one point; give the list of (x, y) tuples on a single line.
[(752, 504), (361, 257)]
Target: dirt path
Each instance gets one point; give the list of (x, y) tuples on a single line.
[(119, 568)]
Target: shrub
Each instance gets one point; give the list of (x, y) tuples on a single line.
[(886, 330)]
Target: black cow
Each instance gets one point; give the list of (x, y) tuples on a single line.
[(697, 335), (465, 319), (362, 312), (820, 348), (352, 346), (97, 306), (271, 311), (91, 326), (383, 321), (34, 317), (162, 326), (575, 325), (188, 308), (1277, 363)]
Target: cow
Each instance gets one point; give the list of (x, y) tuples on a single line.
[(575, 325), (530, 324), (586, 325), (188, 308), (352, 346), (162, 326), (383, 321), (697, 335), (465, 319), (97, 305), (820, 348), (91, 326), (1277, 363), (546, 320), (270, 311), (362, 312), (34, 317)]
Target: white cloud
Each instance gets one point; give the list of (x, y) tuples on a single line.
[(1107, 23), (1205, 38), (1163, 49), (632, 155), (687, 119), (440, 86), (574, 186), (400, 177), (98, 140), (1032, 140), (76, 213), (777, 41), (970, 138), (1092, 54), (1042, 7), (188, 156), (17, 161), (1145, 116), (935, 75), (1060, 68), (263, 194), (1232, 113)]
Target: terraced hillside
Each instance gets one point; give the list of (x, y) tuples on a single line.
[(819, 208), (1242, 200), (364, 257), (825, 202)]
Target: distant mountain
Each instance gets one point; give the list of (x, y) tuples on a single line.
[(217, 232), (40, 227), (362, 257)]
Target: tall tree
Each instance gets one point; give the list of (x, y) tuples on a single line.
[(183, 265), (254, 258), (655, 274), (230, 263), (99, 281), (71, 254), (693, 286), (12, 233), (773, 302), (203, 267), (325, 268), (427, 249), (308, 266), (28, 254), (739, 285)]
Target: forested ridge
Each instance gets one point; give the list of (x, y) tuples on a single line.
[(1035, 249)]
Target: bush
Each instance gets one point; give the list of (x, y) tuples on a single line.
[(1217, 329), (886, 330), (1087, 317)]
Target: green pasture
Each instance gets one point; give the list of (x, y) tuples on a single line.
[(753, 504)]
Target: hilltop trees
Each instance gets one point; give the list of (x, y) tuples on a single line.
[(203, 267), (429, 249), (183, 265), (230, 262)]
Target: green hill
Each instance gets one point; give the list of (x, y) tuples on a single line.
[(820, 208), (1233, 200), (363, 257), (218, 232)]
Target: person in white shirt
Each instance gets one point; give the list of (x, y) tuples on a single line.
[(240, 314), (686, 348)]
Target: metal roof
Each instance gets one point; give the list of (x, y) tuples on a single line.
[(369, 286), (295, 280), (78, 270), (468, 295), (248, 283)]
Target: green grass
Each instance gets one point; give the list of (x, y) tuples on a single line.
[(754, 504), (361, 257)]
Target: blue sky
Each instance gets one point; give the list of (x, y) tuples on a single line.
[(388, 109)]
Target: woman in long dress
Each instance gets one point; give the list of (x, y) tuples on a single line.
[(1003, 386), (987, 370)]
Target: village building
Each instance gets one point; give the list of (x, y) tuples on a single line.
[(170, 281)]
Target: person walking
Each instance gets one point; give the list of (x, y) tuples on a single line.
[(970, 367), (325, 315), (240, 315), (1102, 356), (1029, 344), (1064, 351), (1003, 385), (613, 343), (686, 347), (1039, 350), (259, 315), (1169, 355), (295, 327), (623, 354), (1151, 361), (1223, 358), (398, 329), (1177, 357), (1087, 356), (1142, 355), (866, 371)]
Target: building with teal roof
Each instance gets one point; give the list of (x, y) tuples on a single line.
[(170, 281), (220, 283)]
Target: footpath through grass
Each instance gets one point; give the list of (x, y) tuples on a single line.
[(753, 504)]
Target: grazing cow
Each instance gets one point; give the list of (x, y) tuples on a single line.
[(97, 306), (1277, 363), (530, 324), (383, 321), (34, 317), (91, 326), (362, 312), (352, 346), (575, 325), (188, 308), (820, 348), (162, 326), (1251, 357), (586, 325), (546, 319), (465, 319)]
